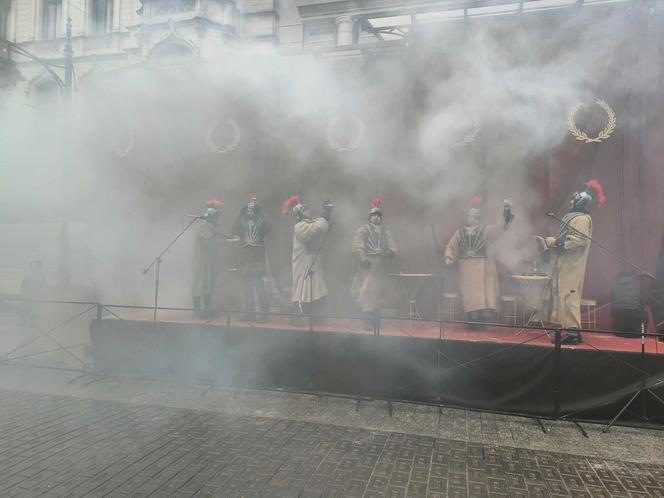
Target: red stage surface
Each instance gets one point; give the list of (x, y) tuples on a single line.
[(421, 330)]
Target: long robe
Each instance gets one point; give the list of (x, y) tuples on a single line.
[(478, 277), (562, 296), (308, 282), (207, 260), (375, 244)]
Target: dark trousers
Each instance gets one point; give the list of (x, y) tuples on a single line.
[(207, 302), (254, 287), (207, 306), (314, 308)]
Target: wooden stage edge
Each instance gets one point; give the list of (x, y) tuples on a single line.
[(416, 329)]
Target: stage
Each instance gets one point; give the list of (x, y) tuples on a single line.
[(500, 369)]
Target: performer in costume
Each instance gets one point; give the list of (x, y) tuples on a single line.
[(569, 254), (252, 226), (309, 287), (470, 247), (372, 247), (207, 259)]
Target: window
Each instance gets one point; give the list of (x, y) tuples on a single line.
[(51, 16), (4, 18), (101, 12)]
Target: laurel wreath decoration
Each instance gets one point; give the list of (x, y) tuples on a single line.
[(230, 146), (470, 137), (354, 144), (582, 135)]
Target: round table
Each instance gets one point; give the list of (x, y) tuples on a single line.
[(535, 286), (413, 283)]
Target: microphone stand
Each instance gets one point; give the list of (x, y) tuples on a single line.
[(443, 271), (642, 273), (157, 261)]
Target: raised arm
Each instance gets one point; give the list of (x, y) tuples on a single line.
[(308, 232), (452, 249)]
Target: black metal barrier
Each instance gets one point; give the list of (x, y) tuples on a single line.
[(527, 371)]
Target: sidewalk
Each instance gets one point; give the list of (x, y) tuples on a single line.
[(66, 435)]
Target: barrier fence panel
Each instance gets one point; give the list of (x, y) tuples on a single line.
[(600, 384), (52, 334), (500, 368)]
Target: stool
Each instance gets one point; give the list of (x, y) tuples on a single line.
[(510, 313), (449, 307), (588, 317)]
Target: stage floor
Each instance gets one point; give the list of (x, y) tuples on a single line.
[(417, 329)]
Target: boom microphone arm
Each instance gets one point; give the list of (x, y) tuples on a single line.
[(612, 253)]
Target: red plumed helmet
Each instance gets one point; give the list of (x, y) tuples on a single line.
[(214, 203), (288, 204), (376, 207), (597, 191)]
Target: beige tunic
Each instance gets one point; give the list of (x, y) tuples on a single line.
[(308, 238), (478, 277), (375, 244), (562, 301)]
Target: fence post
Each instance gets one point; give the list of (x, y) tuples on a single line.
[(100, 311), (556, 375)]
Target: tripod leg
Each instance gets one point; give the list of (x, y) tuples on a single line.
[(613, 420), (660, 400)]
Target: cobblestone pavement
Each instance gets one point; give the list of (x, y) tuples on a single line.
[(55, 445)]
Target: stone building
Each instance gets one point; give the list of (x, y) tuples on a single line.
[(107, 34)]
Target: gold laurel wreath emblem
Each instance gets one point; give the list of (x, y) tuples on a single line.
[(582, 135)]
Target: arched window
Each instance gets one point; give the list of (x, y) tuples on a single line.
[(172, 49)]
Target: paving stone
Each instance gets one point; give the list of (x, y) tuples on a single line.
[(62, 446)]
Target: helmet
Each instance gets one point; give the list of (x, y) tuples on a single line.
[(376, 207), (581, 201)]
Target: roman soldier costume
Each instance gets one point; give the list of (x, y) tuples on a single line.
[(569, 255), (372, 247), (251, 227), (470, 248), (207, 260), (308, 237)]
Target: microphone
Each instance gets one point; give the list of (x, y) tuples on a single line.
[(207, 214)]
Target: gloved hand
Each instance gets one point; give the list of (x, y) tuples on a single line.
[(365, 263), (327, 209)]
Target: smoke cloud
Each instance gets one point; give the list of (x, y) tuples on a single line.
[(465, 108)]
